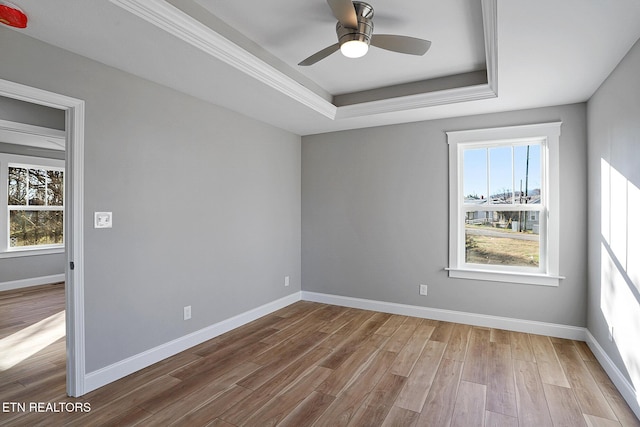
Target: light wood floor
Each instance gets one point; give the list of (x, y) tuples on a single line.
[(315, 364)]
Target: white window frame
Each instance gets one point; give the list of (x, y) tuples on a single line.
[(6, 160), (548, 135)]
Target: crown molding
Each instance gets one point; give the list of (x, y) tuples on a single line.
[(421, 100), (490, 26), (180, 24), (172, 20)]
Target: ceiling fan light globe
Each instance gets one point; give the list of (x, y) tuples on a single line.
[(354, 48)]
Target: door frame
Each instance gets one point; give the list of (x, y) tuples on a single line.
[(74, 222)]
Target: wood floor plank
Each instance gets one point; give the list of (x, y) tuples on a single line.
[(532, 404), (500, 336), (308, 324), (239, 351), (622, 410), (329, 313), (337, 325), (299, 309), (10, 389), (442, 331), (469, 409), (348, 370), (400, 417), (593, 421), (340, 412), (477, 359), (563, 406), (355, 340), (551, 371), (307, 412), (210, 391), (391, 325), (242, 410), (280, 357), (286, 401), (355, 323), (588, 394), (378, 403), (411, 351), (501, 393), (521, 346), (458, 342), (584, 351), (103, 412), (399, 339), (219, 423), (493, 419), (222, 341), (416, 389), (438, 407), (213, 408)]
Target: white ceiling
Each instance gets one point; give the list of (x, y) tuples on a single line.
[(293, 30), (546, 52)]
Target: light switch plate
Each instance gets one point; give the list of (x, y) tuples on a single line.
[(103, 220)]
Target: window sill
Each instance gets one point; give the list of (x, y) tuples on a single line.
[(30, 252), (507, 277)]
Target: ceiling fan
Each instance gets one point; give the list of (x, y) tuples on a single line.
[(355, 34)]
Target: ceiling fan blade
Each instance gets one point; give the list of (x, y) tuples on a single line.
[(402, 44), (344, 12), (320, 55)]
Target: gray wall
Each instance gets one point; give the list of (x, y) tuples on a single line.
[(206, 203), (614, 200), (24, 112), (375, 218), (31, 267)]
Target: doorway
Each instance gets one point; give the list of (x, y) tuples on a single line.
[(74, 249)]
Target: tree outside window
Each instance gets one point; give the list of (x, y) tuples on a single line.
[(36, 206)]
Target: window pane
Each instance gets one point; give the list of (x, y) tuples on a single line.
[(55, 188), (17, 186), (500, 175), (37, 187), (475, 174), (31, 228), (527, 173), (510, 238)]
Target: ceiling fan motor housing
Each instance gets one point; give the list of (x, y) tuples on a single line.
[(364, 13)]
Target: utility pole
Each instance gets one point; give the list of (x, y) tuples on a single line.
[(526, 188)]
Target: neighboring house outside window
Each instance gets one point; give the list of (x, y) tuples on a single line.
[(33, 196), (504, 219)]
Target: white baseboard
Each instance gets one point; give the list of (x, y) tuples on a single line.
[(518, 325), (34, 281), (625, 388), (108, 374)]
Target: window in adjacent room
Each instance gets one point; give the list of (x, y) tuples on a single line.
[(33, 196), (504, 218)]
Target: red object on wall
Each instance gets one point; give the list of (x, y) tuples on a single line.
[(12, 16)]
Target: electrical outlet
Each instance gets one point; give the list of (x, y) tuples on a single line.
[(423, 289), (187, 312), (286, 280)]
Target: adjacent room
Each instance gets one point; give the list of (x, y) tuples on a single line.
[(320, 213)]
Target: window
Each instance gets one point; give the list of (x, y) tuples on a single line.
[(504, 218), (33, 196)]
